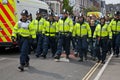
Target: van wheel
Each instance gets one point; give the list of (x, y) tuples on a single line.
[(2, 49)]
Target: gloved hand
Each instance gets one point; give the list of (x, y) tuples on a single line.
[(69, 34), (34, 41), (43, 35), (13, 39), (90, 39), (94, 39), (98, 41), (58, 34)]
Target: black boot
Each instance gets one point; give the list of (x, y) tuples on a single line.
[(21, 68), (85, 55), (80, 60), (117, 56), (76, 54), (67, 57), (98, 61), (103, 62), (57, 57), (37, 56), (93, 58), (53, 55), (27, 64), (44, 56)]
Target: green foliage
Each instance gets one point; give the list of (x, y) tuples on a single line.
[(66, 6)]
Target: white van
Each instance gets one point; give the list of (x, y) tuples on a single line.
[(32, 6)]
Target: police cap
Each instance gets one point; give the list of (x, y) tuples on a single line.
[(38, 12), (24, 12), (117, 13), (65, 11), (29, 14)]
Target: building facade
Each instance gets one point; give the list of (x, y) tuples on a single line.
[(80, 5), (55, 5)]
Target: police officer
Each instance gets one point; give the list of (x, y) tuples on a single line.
[(107, 20), (115, 26), (50, 36), (109, 44), (65, 27), (56, 18), (74, 39), (23, 32), (82, 31), (30, 17), (102, 33), (31, 46), (38, 26), (91, 41)]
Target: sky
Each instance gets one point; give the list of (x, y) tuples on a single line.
[(112, 1)]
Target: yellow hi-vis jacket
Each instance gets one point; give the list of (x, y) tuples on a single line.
[(82, 30), (73, 31), (38, 25), (115, 26), (24, 29), (50, 28), (102, 31), (65, 26)]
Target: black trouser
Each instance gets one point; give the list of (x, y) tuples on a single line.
[(49, 41), (117, 43), (113, 43), (109, 46), (63, 43), (39, 46), (92, 48), (82, 46), (101, 55), (24, 49)]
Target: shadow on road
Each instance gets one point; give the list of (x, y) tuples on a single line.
[(55, 75), (88, 62)]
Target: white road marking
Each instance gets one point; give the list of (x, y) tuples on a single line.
[(62, 60), (1, 59), (103, 68)]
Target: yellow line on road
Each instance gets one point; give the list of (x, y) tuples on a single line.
[(92, 70), (89, 71)]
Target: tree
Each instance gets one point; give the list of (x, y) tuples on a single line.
[(66, 6)]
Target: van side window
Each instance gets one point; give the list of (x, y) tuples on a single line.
[(4, 1)]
